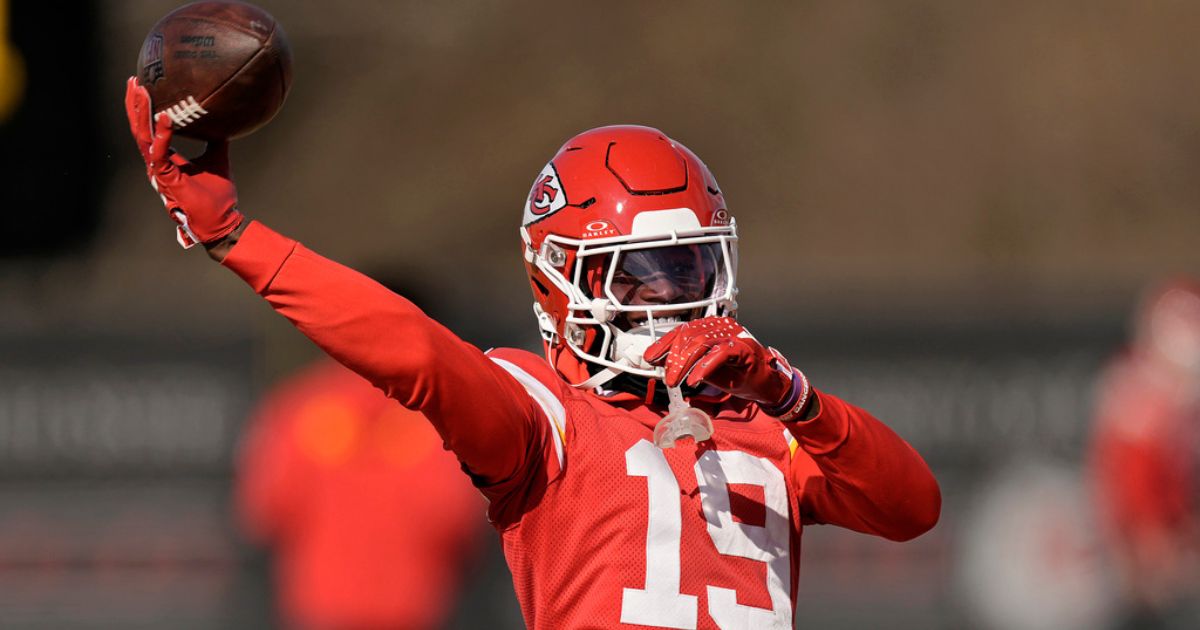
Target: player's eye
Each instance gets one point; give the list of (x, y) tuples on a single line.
[(624, 277)]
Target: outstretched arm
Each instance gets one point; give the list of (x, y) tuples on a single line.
[(483, 414)]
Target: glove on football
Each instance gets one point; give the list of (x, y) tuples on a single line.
[(720, 352), (199, 194)]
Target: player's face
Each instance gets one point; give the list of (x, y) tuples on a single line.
[(665, 275)]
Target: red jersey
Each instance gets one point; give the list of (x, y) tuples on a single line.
[(600, 527)]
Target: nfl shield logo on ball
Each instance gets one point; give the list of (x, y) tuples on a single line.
[(152, 59)]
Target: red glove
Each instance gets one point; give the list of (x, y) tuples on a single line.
[(720, 352), (199, 195)]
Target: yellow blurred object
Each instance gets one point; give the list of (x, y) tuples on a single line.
[(12, 69)]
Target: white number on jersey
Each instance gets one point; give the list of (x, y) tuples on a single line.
[(661, 603)]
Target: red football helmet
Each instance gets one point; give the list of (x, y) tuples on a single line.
[(626, 236)]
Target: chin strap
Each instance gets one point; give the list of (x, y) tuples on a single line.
[(627, 348), (546, 325), (599, 378)]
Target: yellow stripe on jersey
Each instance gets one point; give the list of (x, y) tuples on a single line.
[(791, 442)]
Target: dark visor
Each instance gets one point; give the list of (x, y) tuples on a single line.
[(666, 275)]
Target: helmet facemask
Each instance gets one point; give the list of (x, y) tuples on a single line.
[(623, 293)]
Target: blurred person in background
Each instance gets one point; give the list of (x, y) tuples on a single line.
[(1145, 459), (370, 522)]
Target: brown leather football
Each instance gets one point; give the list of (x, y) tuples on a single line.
[(218, 69)]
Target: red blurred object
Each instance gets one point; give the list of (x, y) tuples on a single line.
[(371, 522), (1145, 452)]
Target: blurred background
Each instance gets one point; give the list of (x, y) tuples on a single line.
[(948, 212)]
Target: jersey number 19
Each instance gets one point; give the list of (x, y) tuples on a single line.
[(661, 603)]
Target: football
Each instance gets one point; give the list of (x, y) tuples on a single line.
[(220, 70)]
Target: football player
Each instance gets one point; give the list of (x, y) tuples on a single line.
[(631, 256), (1144, 457)]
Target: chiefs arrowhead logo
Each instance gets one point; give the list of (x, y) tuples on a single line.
[(542, 196), (546, 197)]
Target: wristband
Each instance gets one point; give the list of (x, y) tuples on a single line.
[(797, 401)]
